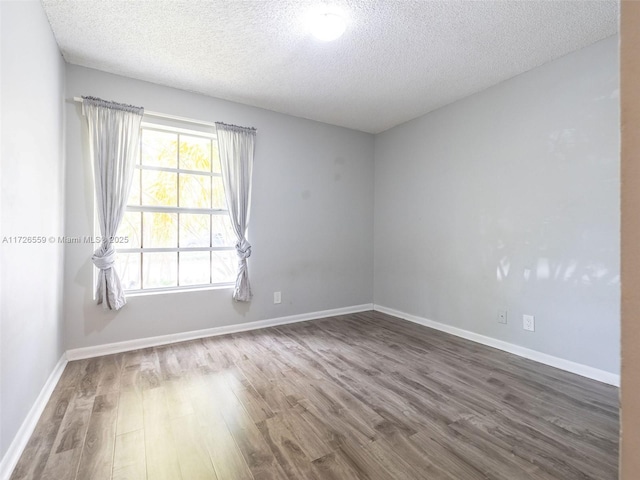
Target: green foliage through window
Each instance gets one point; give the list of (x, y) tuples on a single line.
[(177, 220)]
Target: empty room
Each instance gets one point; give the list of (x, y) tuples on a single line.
[(300, 239)]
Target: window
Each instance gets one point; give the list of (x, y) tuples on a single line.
[(177, 223)]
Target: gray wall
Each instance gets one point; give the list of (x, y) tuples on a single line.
[(311, 226), (506, 199), (510, 199), (31, 204)]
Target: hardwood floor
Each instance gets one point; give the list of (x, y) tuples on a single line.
[(362, 396)]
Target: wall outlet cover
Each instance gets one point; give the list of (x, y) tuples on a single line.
[(529, 323), (502, 316)]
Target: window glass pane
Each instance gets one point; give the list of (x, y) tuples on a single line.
[(218, 194), (223, 266), (195, 153), (159, 149), (215, 157), (159, 270), (160, 230), (194, 230), (222, 234), (195, 191), (151, 188), (130, 228), (159, 188), (134, 193), (128, 268), (194, 268)]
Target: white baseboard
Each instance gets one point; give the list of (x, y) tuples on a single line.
[(567, 365), (19, 442), (118, 347)]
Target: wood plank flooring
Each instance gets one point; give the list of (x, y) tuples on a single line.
[(362, 396)]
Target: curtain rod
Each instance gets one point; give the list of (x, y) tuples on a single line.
[(166, 115)]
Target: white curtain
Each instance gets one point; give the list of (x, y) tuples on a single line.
[(236, 146), (114, 140)]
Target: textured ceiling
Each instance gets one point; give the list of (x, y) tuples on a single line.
[(396, 61)]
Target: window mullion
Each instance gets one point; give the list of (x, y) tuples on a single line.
[(152, 147), (171, 249), (163, 209), (141, 224), (156, 168)]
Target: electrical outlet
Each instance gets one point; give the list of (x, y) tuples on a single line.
[(502, 316), (529, 322), (277, 297)]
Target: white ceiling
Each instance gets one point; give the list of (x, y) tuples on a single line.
[(396, 61)]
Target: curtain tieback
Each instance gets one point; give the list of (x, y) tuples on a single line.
[(104, 259), (243, 248)]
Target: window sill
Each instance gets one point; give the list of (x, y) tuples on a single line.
[(164, 291)]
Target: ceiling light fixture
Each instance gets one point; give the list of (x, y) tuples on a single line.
[(327, 26)]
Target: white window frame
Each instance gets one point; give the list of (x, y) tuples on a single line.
[(176, 210)]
